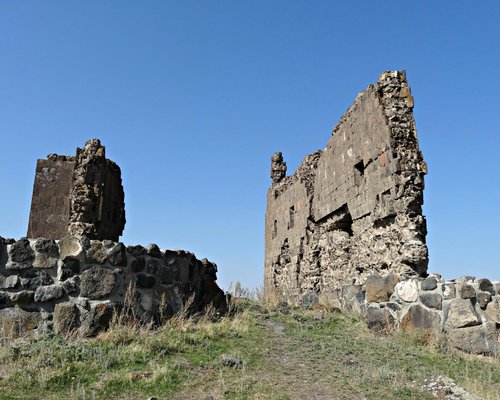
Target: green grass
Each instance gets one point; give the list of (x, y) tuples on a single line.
[(286, 355)]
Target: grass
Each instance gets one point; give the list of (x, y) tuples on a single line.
[(286, 354)]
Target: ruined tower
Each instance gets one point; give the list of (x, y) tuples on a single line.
[(79, 195), (353, 208)]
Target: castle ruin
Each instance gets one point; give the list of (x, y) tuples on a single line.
[(354, 208)]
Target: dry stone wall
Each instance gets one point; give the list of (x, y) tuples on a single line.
[(75, 285), (465, 313), (353, 208)]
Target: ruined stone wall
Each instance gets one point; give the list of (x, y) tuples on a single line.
[(81, 195), (353, 208), (73, 286), (463, 313)]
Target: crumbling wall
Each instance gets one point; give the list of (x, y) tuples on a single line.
[(81, 195), (353, 208), (74, 286)]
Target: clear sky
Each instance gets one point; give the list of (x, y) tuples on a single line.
[(192, 98)]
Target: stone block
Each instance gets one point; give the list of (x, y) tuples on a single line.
[(428, 284), (466, 291), (475, 340), (493, 310), (9, 282), (96, 320), (48, 293), (485, 285), (97, 253), (420, 318), (483, 298), (16, 322), (407, 290), (449, 291), (461, 313), (431, 300), (378, 288), (21, 255), (70, 247), (97, 283), (380, 319), (66, 318), (117, 255)]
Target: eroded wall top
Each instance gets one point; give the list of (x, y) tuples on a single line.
[(81, 195), (356, 206)]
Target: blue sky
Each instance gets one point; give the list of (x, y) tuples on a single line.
[(192, 98)]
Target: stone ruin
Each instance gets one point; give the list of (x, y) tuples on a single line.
[(71, 274), (353, 208), (350, 219)]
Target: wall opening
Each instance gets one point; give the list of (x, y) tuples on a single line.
[(275, 228), (291, 214), (359, 172)]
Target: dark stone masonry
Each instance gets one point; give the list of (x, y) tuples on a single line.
[(80, 195), (346, 230), (71, 275)]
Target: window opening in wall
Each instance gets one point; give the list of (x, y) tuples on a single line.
[(291, 223), (359, 172), (275, 228)]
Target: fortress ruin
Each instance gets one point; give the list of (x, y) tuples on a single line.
[(71, 274), (353, 208)]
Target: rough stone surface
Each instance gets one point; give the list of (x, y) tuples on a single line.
[(21, 256), (407, 290), (97, 283), (449, 291), (475, 339), (429, 284), (81, 195), (354, 208), (432, 300), (380, 319), (48, 293), (466, 291), (483, 298), (379, 289), (493, 309), (9, 282), (66, 318), (16, 322), (71, 248), (461, 313), (485, 285), (421, 318)]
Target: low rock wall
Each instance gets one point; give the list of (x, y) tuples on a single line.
[(75, 285), (465, 312)]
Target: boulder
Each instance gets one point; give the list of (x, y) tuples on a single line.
[(47, 246), (475, 340), (379, 319), (493, 309), (136, 251), (48, 293), (428, 284), (483, 298), (420, 318), (485, 285), (96, 320), (9, 282), (97, 283), (70, 247), (66, 318), (461, 313), (466, 291), (117, 255), (378, 288), (23, 297), (16, 322), (154, 251), (449, 291), (21, 255), (432, 300), (407, 290), (97, 253)]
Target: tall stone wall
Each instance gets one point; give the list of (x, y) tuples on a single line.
[(75, 285), (354, 208), (80, 195)]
